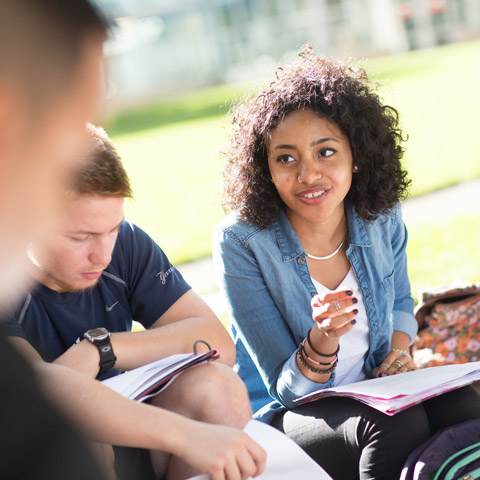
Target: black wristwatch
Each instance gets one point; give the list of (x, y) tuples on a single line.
[(101, 338)]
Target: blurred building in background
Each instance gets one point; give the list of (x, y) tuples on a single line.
[(160, 46)]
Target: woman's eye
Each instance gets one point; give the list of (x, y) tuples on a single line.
[(285, 159), (327, 152)]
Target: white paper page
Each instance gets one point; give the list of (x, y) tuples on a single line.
[(285, 459), (128, 382), (410, 383)]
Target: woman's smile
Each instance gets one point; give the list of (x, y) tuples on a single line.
[(311, 163), (313, 196)]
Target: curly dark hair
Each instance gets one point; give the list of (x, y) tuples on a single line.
[(334, 90)]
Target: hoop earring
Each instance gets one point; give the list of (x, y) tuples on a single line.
[(355, 169)]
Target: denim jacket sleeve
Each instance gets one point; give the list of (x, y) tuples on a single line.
[(403, 319), (258, 322)]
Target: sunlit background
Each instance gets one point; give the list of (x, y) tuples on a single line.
[(177, 65), (162, 46)]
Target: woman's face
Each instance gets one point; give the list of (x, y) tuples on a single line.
[(311, 163)]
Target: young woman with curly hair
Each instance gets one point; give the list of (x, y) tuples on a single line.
[(312, 264)]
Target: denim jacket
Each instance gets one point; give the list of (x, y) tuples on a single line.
[(264, 276)]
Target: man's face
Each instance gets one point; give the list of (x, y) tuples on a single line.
[(75, 255), (36, 155)]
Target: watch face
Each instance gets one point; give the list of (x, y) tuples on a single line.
[(98, 333)]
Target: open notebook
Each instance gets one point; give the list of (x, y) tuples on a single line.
[(145, 382), (395, 393)]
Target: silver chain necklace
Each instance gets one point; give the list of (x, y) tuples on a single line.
[(328, 256)]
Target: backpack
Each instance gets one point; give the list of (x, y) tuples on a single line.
[(451, 454), (449, 328), (464, 465)]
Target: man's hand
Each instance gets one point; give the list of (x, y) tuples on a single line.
[(224, 453), (83, 357)]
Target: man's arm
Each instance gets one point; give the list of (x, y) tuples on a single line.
[(107, 417), (187, 320)]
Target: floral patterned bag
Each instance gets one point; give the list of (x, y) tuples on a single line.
[(448, 317)]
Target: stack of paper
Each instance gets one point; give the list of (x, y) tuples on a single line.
[(395, 393)]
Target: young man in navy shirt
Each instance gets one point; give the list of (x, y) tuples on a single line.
[(95, 274)]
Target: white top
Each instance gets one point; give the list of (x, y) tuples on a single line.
[(354, 344)]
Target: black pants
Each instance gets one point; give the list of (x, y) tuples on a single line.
[(353, 441), (133, 464)]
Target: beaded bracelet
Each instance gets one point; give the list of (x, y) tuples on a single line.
[(316, 370), (304, 352), (405, 353), (317, 352)]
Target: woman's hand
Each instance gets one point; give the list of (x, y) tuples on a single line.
[(398, 359), (394, 363), (334, 312), (334, 315)]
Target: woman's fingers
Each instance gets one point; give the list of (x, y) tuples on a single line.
[(336, 321), (334, 309), (335, 296), (336, 327), (394, 363), (334, 312), (338, 307), (402, 365), (345, 328)]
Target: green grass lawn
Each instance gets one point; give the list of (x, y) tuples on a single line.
[(176, 176), (436, 93), (439, 254), (171, 148)]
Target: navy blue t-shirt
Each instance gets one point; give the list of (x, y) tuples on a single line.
[(139, 284)]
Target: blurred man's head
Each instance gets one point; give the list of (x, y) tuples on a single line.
[(74, 255), (50, 83)]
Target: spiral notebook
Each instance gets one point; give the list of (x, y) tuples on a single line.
[(145, 382)]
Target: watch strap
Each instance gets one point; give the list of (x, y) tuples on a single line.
[(104, 345), (107, 357)]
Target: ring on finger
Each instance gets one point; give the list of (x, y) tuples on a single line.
[(337, 306), (386, 365), (398, 363)]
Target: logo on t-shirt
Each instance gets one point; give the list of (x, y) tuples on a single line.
[(109, 308), (163, 275)]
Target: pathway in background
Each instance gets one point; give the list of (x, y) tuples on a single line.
[(443, 205), (440, 206)]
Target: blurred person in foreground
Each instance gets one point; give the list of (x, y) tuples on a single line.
[(96, 271), (50, 59), (50, 83)]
